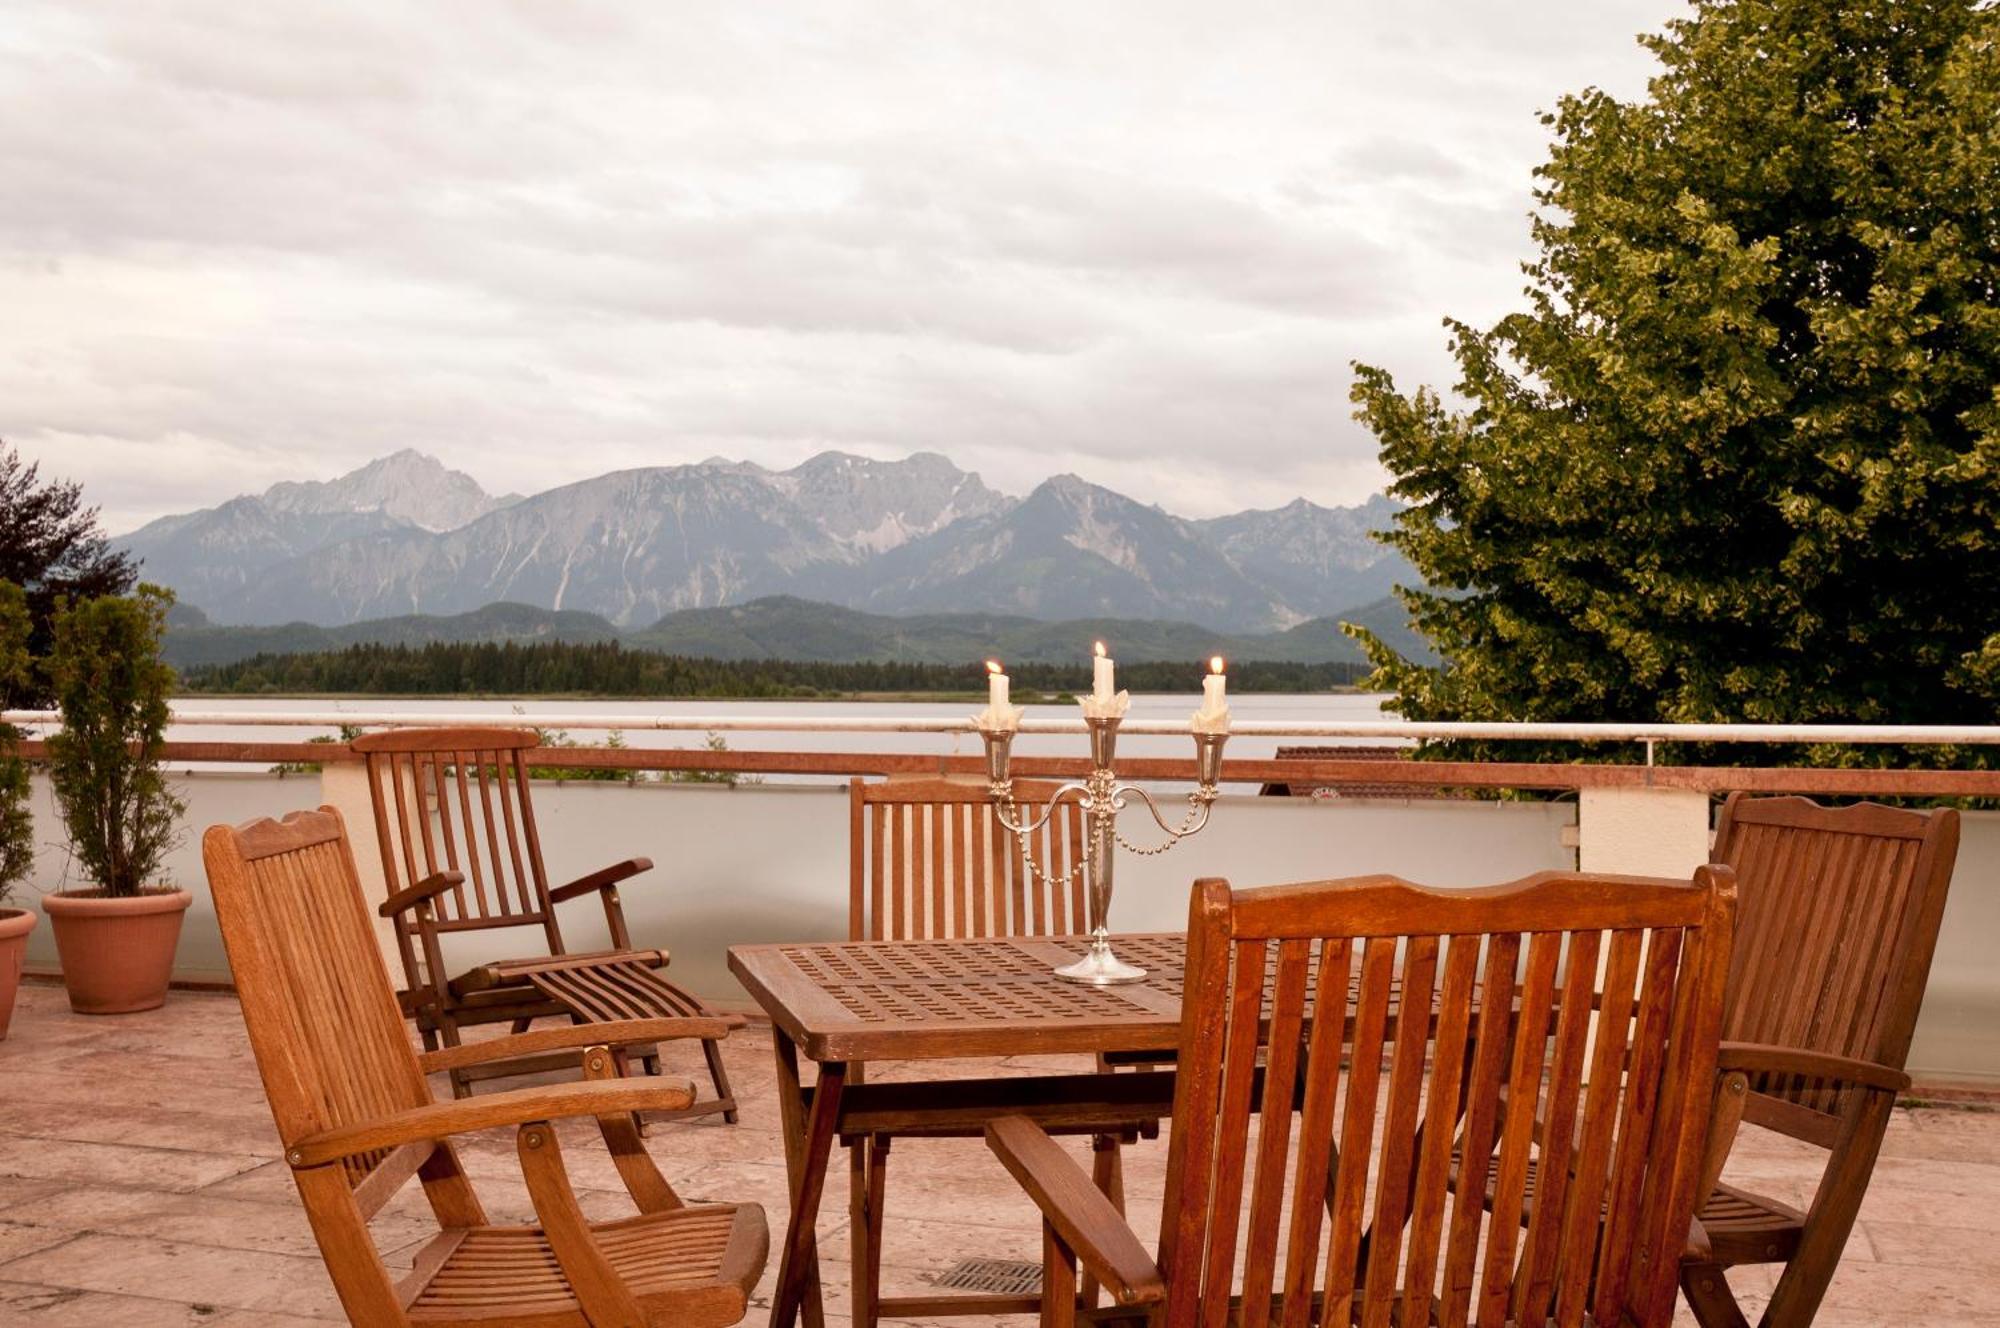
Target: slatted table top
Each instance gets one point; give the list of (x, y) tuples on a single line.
[(995, 996)]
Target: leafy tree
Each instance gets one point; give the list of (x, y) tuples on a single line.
[(51, 547), (105, 761), (17, 842), (1739, 459)]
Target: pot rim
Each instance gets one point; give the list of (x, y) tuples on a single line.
[(10, 918), (154, 899)]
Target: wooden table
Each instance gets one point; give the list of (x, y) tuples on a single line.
[(848, 1003)]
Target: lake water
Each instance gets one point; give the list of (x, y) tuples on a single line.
[(1324, 707)]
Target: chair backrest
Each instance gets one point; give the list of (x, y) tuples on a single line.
[(1836, 928), (328, 1037), (1344, 1189), (929, 859), (458, 800)]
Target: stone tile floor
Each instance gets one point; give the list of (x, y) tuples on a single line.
[(140, 1186)]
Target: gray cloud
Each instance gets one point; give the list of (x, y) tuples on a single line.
[(1140, 241)]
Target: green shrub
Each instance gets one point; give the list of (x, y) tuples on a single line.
[(17, 841), (112, 687)]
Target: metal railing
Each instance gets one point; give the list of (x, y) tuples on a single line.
[(1416, 775)]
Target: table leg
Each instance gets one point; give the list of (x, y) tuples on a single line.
[(808, 1146)]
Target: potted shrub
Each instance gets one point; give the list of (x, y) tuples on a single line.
[(116, 936), (17, 845)]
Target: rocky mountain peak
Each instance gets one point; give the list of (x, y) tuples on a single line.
[(410, 486)]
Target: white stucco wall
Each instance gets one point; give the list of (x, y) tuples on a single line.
[(769, 862)]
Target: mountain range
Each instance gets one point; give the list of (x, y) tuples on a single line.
[(783, 627), (405, 535)]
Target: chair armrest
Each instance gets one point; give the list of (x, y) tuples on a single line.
[(1765, 1058), (602, 879), (436, 1120), (1080, 1214), (620, 1033), (422, 892)]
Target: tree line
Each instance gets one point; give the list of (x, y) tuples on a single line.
[(606, 668)]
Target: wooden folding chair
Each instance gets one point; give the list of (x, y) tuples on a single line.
[(929, 859), (455, 822), (1305, 1187), (1837, 924), (357, 1121)]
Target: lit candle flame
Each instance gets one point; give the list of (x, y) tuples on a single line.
[(993, 666), (1215, 663), (1099, 648)]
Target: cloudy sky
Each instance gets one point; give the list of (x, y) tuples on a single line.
[(546, 239)]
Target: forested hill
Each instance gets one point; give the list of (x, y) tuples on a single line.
[(610, 669), (786, 628)]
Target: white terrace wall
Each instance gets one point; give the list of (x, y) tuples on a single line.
[(769, 862)]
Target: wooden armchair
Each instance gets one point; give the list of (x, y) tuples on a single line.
[(455, 822), (1837, 924), (1336, 1206), (929, 859), (357, 1121)]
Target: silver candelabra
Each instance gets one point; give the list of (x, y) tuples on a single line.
[(1102, 797)]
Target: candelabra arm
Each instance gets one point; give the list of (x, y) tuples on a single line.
[(1197, 816), (1003, 801)]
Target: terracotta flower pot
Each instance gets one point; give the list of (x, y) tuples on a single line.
[(15, 924), (117, 953)]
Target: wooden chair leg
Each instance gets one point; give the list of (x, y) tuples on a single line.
[(1835, 1206), (860, 1230), (1107, 1172), (868, 1178), (1058, 1281), (1709, 1296), (711, 1049), (878, 1194)]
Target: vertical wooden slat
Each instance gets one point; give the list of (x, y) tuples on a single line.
[(991, 907), (1274, 1125), (1482, 1098), (483, 766), (1203, 1042), (441, 800), (958, 828), (1635, 1126), (899, 871), (1585, 1205), (531, 833), (920, 872), (1079, 853), (475, 872), (1055, 856), (940, 920), (1399, 1132), (857, 861), (1316, 1124), (877, 873), (1454, 1015), (1517, 1136), (522, 891), (1357, 1126), (422, 815), (1541, 1247), (1239, 1069)]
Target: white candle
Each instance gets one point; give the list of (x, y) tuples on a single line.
[(1214, 687), (998, 717), (1101, 679), (1213, 717)]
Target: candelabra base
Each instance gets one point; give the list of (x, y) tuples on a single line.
[(1099, 967)]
